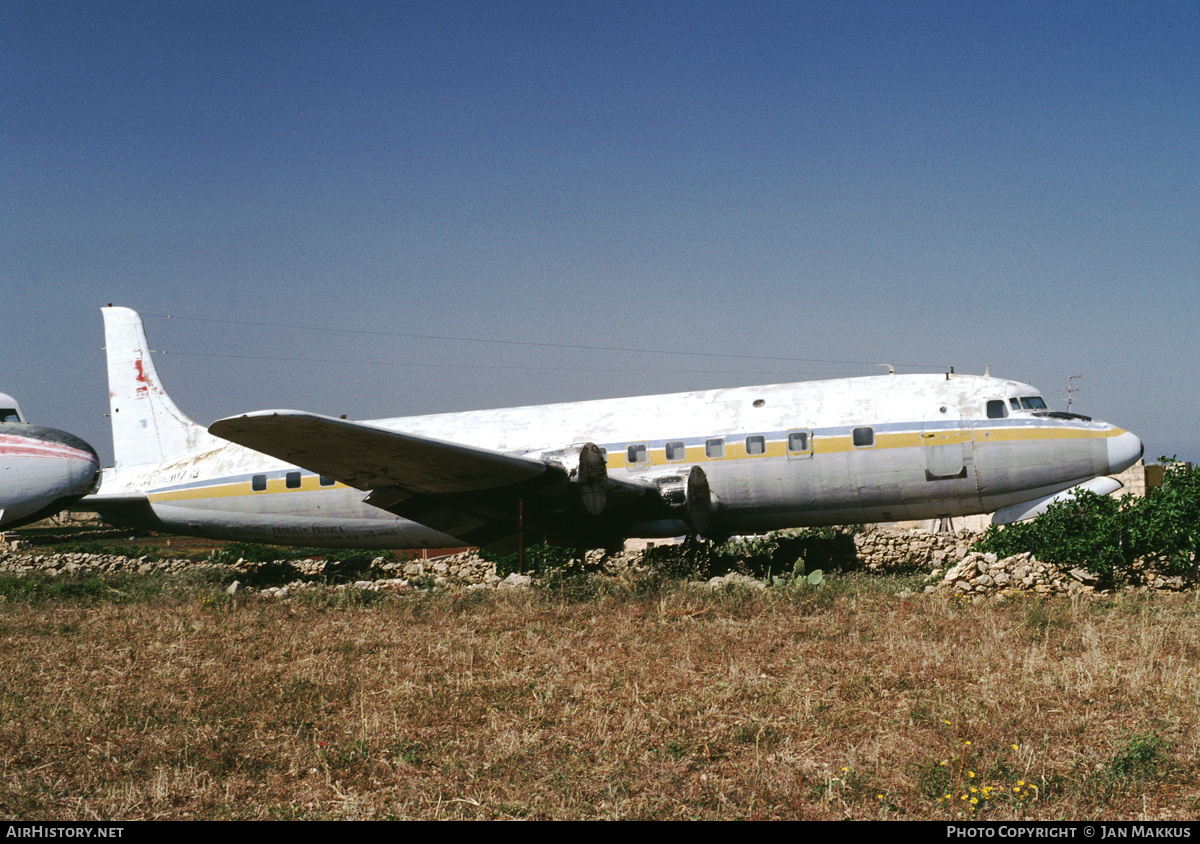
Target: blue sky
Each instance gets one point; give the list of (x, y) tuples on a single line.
[(746, 193)]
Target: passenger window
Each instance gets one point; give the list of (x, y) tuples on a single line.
[(756, 445), (636, 453), (714, 449), (864, 436), (996, 409), (676, 451), (325, 480), (258, 483), (292, 479), (797, 441)]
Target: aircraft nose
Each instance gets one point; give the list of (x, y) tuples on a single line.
[(80, 467), (1124, 450)]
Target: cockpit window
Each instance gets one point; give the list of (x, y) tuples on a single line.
[(1033, 402), (9, 414), (996, 409), (1016, 403)]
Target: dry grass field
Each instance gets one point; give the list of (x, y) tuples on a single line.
[(161, 698)]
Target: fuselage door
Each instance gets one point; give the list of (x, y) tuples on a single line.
[(945, 442)]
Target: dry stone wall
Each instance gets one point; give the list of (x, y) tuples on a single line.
[(947, 559), (883, 549)]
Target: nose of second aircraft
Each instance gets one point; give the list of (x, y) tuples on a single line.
[(76, 460), (81, 473), (1124, 450)]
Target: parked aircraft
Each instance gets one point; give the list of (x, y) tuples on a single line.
[(715, 462), (42, 470)]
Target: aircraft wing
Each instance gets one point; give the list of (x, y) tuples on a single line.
[(481, 496), (368, 457)]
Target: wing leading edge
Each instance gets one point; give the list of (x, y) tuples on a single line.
[(367, 457)]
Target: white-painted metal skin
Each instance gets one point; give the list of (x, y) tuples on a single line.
[(42, 470), (720, 462)]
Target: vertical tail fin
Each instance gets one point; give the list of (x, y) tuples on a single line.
[(147, 427)]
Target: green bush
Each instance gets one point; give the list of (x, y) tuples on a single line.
[(538, 559), (1169, 518), (255, 553), (1144, 757), (769, 556), (250, 552), (691, 560), (1087, 530), (1109, 536)]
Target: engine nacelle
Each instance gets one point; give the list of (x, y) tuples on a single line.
[(691, 497), (587, 474)]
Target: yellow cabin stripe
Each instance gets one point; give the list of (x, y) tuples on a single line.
[(736, 450), (308, 483)]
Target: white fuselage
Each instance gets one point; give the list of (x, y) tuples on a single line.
[(884, 448)]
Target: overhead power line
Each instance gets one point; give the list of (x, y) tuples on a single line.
[(429, 364), (534, 343)]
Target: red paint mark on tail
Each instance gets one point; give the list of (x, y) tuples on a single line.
[(143, 388)]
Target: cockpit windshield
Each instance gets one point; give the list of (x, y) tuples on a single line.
[(1033, 403)]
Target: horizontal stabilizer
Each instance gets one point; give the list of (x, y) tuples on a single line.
[(368, 457)]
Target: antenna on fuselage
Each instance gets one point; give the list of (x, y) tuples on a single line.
[(1071, 389), (891, 369)]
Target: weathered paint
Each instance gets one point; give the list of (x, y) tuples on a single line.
[(933, 452)]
